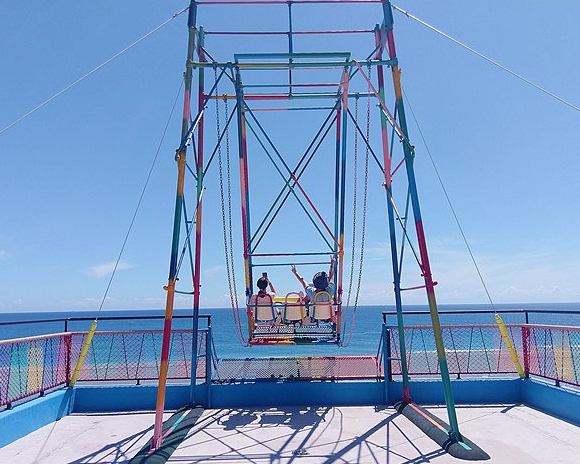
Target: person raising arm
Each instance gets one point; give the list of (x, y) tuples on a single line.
[(321, 282)]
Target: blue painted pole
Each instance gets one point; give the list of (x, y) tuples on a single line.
[(170, 288), (426, 268), (344, 116), (208, 356), (392, 231), (290, 46), (245, 194), (386, 362), (198, 217), (337, 183)]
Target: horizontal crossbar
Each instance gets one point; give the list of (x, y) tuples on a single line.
[(357, 31), (293, 56), (292, 65)]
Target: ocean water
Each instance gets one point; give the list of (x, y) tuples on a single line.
[(365, 338)]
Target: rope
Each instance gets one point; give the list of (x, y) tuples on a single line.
[(489, 60), (140, 200), (228, 248), (450, 204), (94, 70), (91, 332)]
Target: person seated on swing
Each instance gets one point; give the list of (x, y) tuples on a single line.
[(262, 303), (318, 290)]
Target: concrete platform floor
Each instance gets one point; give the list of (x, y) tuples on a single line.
[(509, 434)]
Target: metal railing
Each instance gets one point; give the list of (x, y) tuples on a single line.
[(527, 314), (66, 324), (470, 350), (552, 352), (33, 365), (549, 352), (134, 356), (299, 368)]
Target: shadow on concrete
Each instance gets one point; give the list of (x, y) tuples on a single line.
[(120, 451), (304, 437), (308, 425)]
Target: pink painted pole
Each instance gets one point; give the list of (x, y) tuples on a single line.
[(170, 288)]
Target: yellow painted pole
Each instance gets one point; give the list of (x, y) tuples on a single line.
[(83, 353), (510, 347)]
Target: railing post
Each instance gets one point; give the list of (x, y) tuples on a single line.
[(526, 348), (389, 355), (208, 355), (387, 373), (68, 348)]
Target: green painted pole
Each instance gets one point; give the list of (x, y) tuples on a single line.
[(426, 268), (170, 288), (198, 217), (392, 231)]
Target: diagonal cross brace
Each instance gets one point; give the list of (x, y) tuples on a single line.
[(297, 174), (287, 181)]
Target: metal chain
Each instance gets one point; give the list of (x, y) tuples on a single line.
[(231, 235), (364, 216), (354, 199), (228, 258), (365, 197)]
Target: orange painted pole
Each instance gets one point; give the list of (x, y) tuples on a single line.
[(344, 109), (170, 288)]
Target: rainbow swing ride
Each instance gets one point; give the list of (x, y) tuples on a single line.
[(290, 78)]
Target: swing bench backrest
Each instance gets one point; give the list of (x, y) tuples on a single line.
[(294, 309), (263, 307), (322, 307)]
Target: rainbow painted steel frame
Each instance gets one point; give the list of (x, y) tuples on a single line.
[(339, 115)]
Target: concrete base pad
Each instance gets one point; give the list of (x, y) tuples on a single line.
[(438, 430), (303, 435)]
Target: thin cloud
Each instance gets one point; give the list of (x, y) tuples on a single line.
[(101, 270), (213, 271), (536, 274)]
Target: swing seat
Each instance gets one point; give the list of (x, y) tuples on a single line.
[(293, 297), (294, 308), (322, 307), (263, 308)]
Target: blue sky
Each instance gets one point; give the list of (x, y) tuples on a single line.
[(71, 174)]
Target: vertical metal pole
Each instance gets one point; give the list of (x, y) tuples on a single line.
[(426, 268), (170, 288), (290, 46), (526, 349), (245, 194), (337, 192), (198, 216), (386, 361), (391, 216), (68, 348), (344, 108), (389, 357), (208, 355)]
